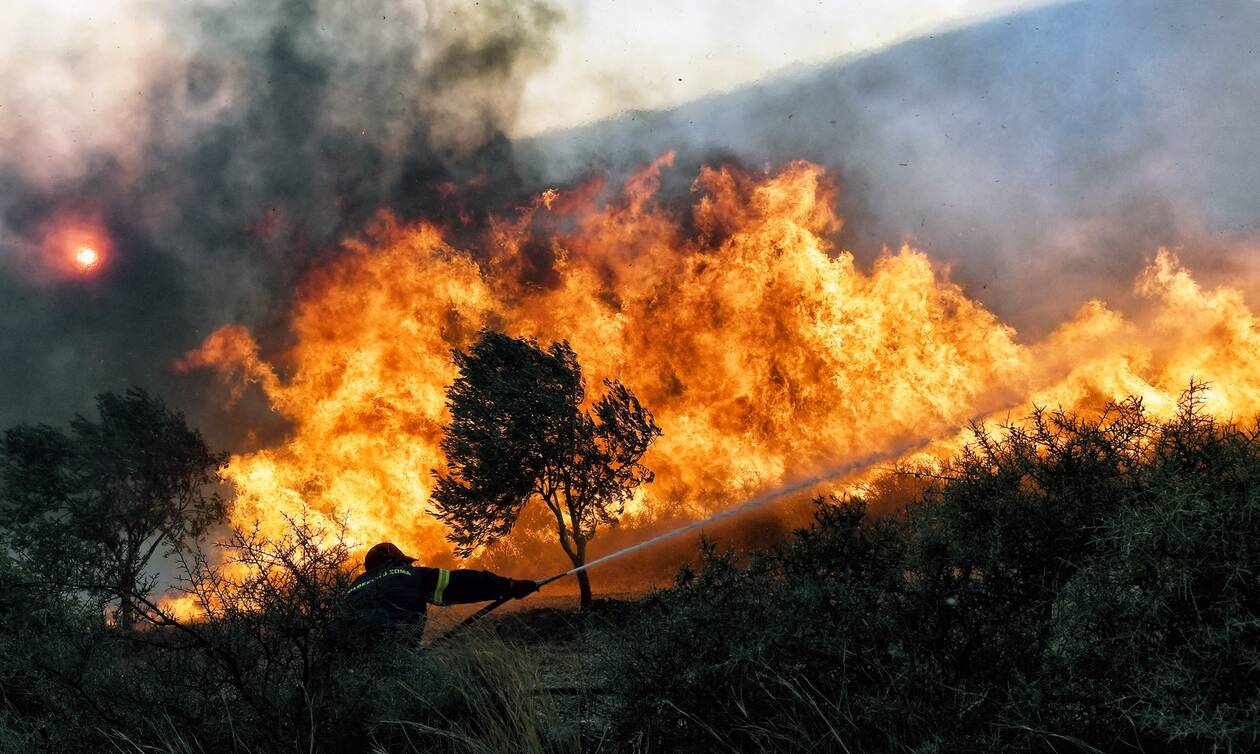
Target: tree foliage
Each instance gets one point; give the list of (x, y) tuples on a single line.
[(92, 506), (519, 430)]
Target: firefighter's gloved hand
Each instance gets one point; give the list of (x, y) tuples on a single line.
[(523, 588)]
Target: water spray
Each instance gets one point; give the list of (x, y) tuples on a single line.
[(757, 502)]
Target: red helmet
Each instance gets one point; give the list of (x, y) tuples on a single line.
[(383, 554)]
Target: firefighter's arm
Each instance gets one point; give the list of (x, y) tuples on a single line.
[(461, 585)]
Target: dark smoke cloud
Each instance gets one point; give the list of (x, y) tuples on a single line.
[(244, 140), (1046, 154)]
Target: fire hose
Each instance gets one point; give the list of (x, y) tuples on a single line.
[(769, 497)]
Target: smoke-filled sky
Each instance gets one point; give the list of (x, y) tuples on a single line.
[(77, 74), (214, 151), (613, 56)]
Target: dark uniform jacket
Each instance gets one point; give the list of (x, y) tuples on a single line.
[(398, 595)]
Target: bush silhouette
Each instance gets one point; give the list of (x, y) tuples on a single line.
[(1066, 583)]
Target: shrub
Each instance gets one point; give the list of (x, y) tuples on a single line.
[(1171, 600), (266, 667), (1069, 583), (1088, 583)]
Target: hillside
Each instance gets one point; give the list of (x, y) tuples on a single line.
[(1053, 148)]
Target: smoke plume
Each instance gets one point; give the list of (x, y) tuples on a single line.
[(219, 150)]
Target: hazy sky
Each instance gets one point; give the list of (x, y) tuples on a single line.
[(617, 55)]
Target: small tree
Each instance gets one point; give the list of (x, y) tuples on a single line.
[(91, 507), (519, 431)]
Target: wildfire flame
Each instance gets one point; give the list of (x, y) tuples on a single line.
[(766, 353)]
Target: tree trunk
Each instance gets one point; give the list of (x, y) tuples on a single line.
[(126, 611), (583, 579), (584, 589)]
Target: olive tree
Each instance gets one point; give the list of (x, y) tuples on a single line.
[(91, 507), (520, 431)]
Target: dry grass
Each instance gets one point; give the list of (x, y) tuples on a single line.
[(504, 706)]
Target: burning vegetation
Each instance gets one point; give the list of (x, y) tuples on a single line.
[(957, 602), (765, 353), (996, 540)]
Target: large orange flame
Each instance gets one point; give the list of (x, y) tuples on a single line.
[(765, 352)]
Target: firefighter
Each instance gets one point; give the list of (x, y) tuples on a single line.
[(392, 593)]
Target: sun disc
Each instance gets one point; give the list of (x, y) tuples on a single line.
[(86, 257)]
